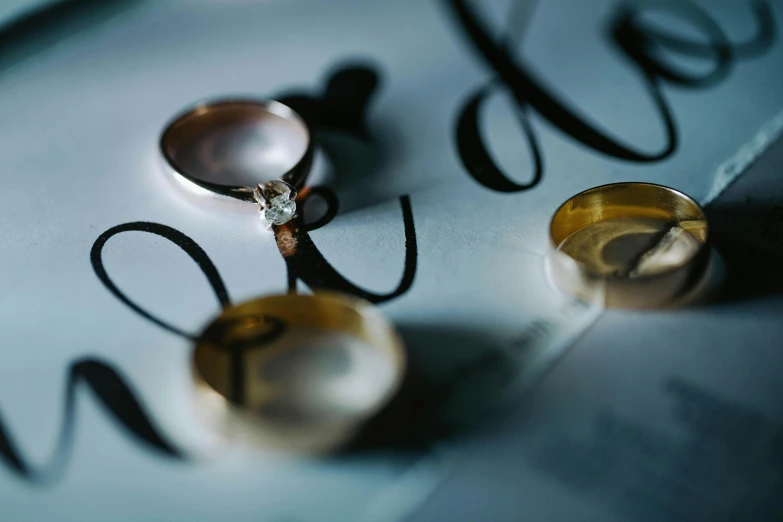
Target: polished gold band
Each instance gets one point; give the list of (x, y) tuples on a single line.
[(296, 372), (628, 245)]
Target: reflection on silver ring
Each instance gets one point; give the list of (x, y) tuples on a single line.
[(241, 149)]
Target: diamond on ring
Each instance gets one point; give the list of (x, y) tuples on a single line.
[(276, 202)]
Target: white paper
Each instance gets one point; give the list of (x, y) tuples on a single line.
[(78, 144)]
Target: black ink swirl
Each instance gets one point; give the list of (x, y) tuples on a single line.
[(306, 263), (190, 247), (475, 155), (526, 87), (107, 384), (114, 393), (642, 44)]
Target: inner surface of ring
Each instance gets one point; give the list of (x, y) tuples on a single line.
[(298, 364), (630, 230), (236, 143)]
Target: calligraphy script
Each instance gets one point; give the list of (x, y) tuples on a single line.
[(646, 48), (341, 108)]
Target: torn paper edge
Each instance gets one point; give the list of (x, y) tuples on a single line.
[(730, 170)]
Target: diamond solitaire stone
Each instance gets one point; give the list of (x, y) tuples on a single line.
[(278, 210), (276, 200)]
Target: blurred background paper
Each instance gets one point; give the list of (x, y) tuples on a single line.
[(12, 10), (83, 108)]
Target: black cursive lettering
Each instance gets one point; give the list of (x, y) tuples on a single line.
[(641, 43), (190, 247), (306, 263), (115, 394)]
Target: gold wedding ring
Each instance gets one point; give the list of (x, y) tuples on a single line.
[(296, 372), (628, 245)]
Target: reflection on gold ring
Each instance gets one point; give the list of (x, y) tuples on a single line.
[(296, 372), (628, 245)]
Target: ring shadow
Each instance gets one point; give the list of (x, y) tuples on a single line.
[(456, 378), (338, 114), (749, 237)]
